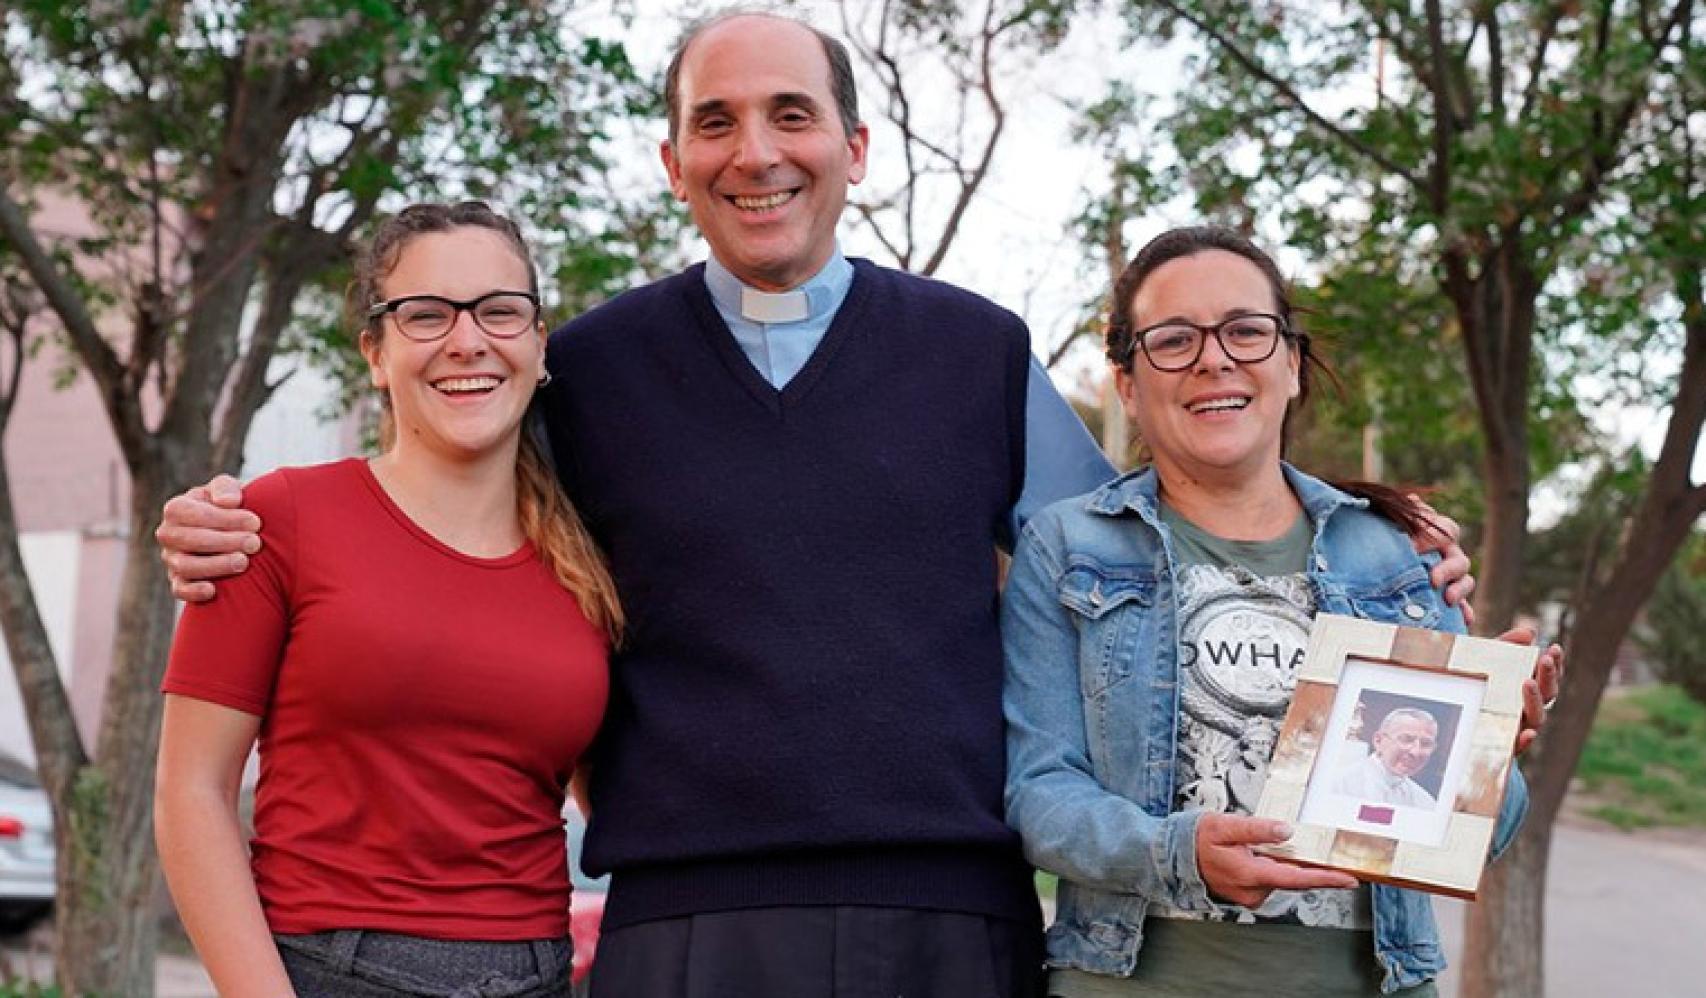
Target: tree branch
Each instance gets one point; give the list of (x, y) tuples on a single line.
[(1439, 171), (1495, 64), (969, 184), (1599, 152), (899, 113), (97, 356), (1461, 94), (14, 326), (1058, 352), (1537, 60), (1398, 32), (869, 213), (1289, 94), (1688, 410), (53, 729)]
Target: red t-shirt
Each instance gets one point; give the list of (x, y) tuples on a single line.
[(421, 711)]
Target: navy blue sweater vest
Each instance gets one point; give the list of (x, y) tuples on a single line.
[(807, 709)]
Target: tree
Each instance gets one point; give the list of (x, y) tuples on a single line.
[(1508, 150), (967, 51), (1115, 126), (225, 153)]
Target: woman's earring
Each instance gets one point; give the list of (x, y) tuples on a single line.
[(544, 379)]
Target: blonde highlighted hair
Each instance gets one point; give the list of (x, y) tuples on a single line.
[(548, 519)]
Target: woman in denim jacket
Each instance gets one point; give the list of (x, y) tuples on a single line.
[(1153, 629)]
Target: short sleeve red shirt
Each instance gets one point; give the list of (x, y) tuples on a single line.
[(421, 711)]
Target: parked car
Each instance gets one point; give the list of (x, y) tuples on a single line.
[(26, 848), (586, 907)]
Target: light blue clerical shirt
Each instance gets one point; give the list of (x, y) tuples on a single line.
[(779, 332)]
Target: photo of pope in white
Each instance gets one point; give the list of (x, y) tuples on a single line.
[(1393, 767)]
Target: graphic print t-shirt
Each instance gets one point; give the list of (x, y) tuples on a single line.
[(1244, 611)]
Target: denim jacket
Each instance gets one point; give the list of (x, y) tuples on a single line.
[(1092, 701)]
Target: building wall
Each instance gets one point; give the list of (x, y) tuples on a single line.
[(51, 559)]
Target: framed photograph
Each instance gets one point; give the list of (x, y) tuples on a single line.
[(1392, 761)]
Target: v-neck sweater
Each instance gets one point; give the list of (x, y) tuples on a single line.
[(807, 706)]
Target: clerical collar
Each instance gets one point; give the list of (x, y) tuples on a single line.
[(814, 299)]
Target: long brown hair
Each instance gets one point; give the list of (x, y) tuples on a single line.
[(548, 519), (1174, 244)]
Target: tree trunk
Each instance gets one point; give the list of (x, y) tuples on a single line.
[(108, 869), (53, 727), (1502, 955), (1505, 928), (1505, 931), (106, 926), (1504, 542), (1495, 312)]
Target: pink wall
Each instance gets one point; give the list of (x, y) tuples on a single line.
[(100, 570), (64, 463)]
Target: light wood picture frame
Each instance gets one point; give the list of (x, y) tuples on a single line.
[(1393, 758)]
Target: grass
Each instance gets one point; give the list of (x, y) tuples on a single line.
[(27, 990), (1645, 761)]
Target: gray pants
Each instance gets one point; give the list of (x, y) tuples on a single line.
[(352, 963)]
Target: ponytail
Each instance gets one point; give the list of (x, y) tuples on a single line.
[(1395, 506), (549, 520)]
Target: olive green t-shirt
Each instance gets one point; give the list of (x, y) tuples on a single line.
[(1244, 611)]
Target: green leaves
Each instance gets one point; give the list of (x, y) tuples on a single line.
[(288, 124), (1529, 133)]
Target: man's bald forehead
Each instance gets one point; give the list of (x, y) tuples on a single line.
[(839, 64), (1407, 714)]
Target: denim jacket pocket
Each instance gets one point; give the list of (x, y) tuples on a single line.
[(1110, 607), (1407, 599)]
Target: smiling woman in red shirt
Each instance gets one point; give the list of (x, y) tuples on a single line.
[(420, 650)]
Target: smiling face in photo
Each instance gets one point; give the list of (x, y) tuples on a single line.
[(1405, 744), (762, 158)]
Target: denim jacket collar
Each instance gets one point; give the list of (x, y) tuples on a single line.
[(1139, 492)]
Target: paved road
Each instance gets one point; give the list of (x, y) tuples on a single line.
[(1625, 915)]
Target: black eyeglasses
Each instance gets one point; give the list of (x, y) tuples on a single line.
[(1176, 345), (424, 318)]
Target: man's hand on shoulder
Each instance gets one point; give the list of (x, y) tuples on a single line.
[(1451, 576), (205, 534)]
